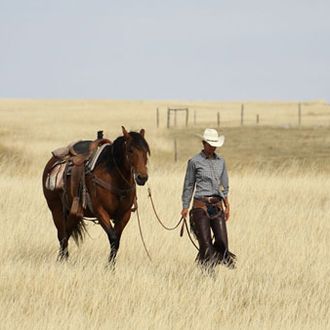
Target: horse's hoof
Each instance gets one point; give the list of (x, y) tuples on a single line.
[(111, 265), (62, 257)]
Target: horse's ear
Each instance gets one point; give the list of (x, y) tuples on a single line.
[(125, 133), (142, 131)]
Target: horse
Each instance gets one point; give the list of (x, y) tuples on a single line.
[(111, 192)]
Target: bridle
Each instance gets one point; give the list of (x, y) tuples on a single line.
[(131, 169)]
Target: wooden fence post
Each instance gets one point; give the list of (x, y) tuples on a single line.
[(299, 114), (157, 118), (257, 119), (175, 151), (242, 114), (187, 116), (168, 118), (218, 119)]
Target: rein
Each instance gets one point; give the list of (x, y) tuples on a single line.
[(140, 230)]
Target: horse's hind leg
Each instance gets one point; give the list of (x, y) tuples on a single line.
[(62, 235)]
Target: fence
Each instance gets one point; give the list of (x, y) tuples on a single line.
[(241, 115), (245, 114)]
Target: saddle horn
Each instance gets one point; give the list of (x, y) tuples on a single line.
[(99, 135)]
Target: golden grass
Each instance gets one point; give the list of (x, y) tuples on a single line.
[(279, 229)]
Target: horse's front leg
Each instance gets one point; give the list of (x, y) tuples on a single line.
[(105, 222), (119, 227)]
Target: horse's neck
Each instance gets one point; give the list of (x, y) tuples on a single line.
[(120, 161)]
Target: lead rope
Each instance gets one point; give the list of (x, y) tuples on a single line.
[(140, 230), (182, 220), (157, 217)]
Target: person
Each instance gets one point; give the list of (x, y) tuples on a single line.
[(207, 178)]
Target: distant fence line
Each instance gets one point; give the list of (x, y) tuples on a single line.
[(174, 111), (172, 120)]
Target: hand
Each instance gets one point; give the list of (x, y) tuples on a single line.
[(184, 213), (227, 213), (226, 208)]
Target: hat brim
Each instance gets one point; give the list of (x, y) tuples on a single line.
[(219, 143), (214, 143)]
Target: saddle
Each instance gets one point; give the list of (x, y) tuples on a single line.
[(73, 158), (79, 151)]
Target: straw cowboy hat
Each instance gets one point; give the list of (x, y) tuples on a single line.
[(212, 138)]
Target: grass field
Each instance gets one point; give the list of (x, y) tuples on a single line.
[(279, 228)]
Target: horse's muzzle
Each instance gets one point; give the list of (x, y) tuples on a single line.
[(141, 180)]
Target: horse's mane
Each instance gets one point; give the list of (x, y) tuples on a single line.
[(113, 154), (139, 141)]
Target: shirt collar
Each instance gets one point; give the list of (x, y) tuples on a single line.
[(214, 156)]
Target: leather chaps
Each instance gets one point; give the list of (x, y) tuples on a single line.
[(211, 252)]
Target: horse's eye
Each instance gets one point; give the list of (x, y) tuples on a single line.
[(130, 151)]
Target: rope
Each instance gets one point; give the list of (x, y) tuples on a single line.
[(142, 239), (182, 220), (189, 235), (157, 217)]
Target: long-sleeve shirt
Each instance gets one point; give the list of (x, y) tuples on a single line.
[(207, 175)]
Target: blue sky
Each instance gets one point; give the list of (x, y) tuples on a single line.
[(186, 50)]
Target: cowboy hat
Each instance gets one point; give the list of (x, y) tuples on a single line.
[(211, 137)]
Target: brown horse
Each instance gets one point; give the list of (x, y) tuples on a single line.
[(111, 192)]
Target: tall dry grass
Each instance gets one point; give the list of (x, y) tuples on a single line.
[(279, 229)]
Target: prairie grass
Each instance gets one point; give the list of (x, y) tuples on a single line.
[(279, 228)]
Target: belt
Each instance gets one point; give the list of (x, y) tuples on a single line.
[(209, 199), (211, 205)]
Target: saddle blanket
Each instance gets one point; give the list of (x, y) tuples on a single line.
[(55, 178), (90, 165)]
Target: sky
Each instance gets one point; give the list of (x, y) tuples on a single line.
[(173, 49)]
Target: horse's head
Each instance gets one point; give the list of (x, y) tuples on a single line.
[(137, 153)]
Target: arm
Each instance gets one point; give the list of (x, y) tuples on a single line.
[(188, 188), (225, 184)]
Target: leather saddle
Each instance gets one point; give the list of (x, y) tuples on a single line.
[(80, 147), (77, 154), (80, 151)]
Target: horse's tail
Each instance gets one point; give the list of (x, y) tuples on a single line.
[(79, 231)]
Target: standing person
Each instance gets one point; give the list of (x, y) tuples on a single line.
[(206, 174)]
